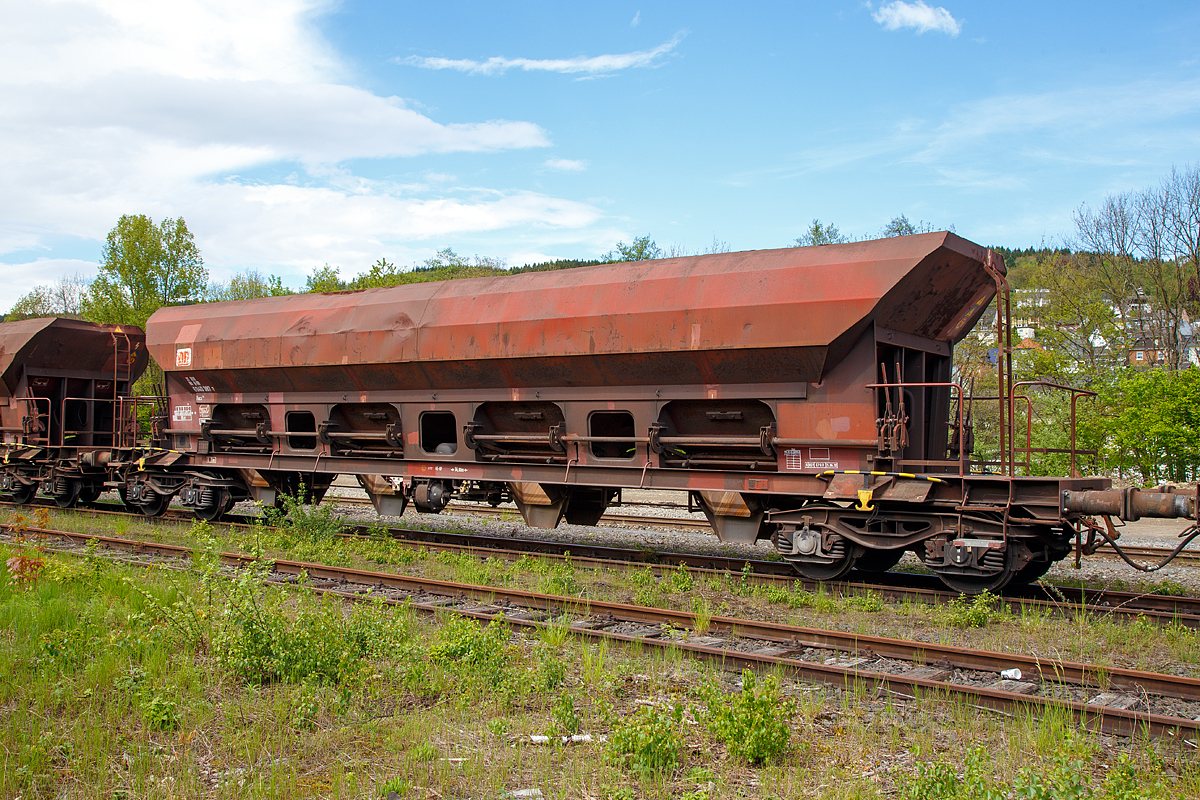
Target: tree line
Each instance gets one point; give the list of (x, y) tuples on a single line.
[(1115, 311), (145, 265)]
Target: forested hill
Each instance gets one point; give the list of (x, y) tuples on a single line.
[(1022, 264)]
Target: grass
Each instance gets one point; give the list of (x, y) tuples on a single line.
[(123, 682), (980, 623)]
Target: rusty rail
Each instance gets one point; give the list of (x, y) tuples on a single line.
[(793, 638)]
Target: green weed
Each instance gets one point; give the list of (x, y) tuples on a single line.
[(566, 717), (679, 580), (869, 601), (462, 644), (260, 640), (794, 596), (304, 708), (649, 742), (941, 781), (701, 616), (753, 724), (396, 786), (298, 519), (161, 713), (975, 612), (551, 671)]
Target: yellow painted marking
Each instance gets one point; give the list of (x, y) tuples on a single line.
[(895, 474)]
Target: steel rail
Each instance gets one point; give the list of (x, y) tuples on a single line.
[(490, 511), (1149, 552), (1165, 609), (1066, 600), (1110, 719)]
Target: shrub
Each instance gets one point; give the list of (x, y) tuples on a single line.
[(485, 651), (648, 742), (299, 519), (753, 724), (25, 567), (260, 641), (977, 612)]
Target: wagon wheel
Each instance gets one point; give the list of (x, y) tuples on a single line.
[(155, 507), (67, 499), (124, 495), (90, 492), (1032, 571), (222, 502), (23, 493), (977, 584), (819, 571), (879, 560)]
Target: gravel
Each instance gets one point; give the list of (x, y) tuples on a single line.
[(1155, 532)]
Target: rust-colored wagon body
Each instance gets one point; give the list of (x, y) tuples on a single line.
[(802, 394), (773, 316), (63, 387)]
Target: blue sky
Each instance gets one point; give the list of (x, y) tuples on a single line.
[(291, 134)]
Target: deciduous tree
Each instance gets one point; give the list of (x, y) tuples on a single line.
[(325, 279), (145, 266), (901, 226), (250, 285), (61, 299), (819, 233), (642, 248)]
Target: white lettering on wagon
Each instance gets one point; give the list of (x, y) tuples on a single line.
[(181, 413), (196, 386), (817, 459)]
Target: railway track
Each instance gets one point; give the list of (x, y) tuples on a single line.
[(1114, 700), (1148, 553), (897, 586), (490, 511)]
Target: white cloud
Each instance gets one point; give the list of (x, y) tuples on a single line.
[(636, 19), (135, 107), (565, 164), (20, 279), (592, 65), (918, 15)]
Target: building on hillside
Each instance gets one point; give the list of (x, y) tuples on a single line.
[(1147, 351)]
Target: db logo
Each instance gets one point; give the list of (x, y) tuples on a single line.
[(183, 357)]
